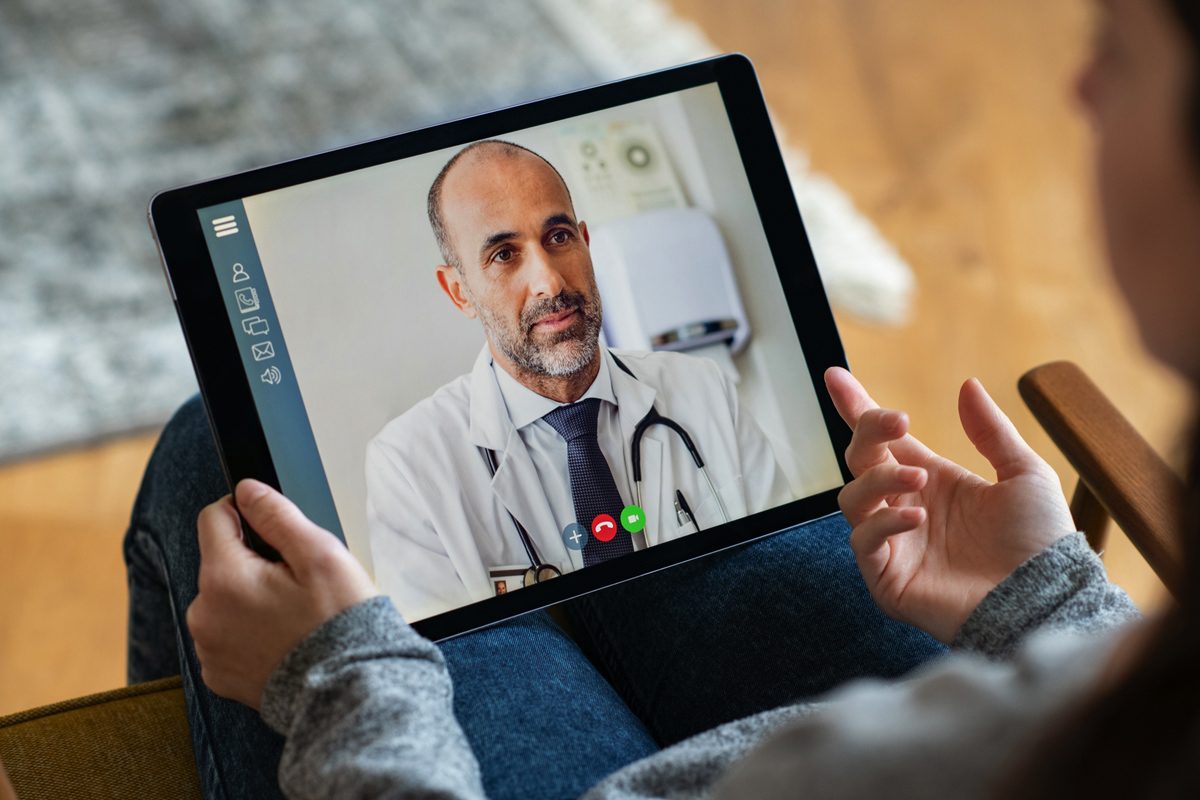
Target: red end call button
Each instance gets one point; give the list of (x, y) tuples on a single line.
[(604, 527)]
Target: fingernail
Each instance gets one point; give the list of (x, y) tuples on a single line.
[(251, 490)]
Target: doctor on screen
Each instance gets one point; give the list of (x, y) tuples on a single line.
[(553, 453)]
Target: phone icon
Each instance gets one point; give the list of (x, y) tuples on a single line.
[(247, 299), (604, 527)]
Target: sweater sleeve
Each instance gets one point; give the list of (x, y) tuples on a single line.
[(365, 703), (955, 728), (1063, 588)]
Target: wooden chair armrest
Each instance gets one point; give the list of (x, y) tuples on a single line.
[(1131, 481)]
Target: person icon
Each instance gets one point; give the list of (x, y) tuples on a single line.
[(239, 273)]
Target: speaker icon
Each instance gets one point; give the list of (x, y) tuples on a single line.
[(272, 376)]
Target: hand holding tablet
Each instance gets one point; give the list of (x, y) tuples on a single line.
[(251, 612)]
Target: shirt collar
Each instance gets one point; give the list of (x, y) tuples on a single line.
[(526, 406)]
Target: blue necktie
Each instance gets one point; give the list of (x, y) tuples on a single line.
[(593, 489)]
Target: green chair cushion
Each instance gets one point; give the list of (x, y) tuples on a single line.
[(131, 742)]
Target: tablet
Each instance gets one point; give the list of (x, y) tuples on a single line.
[(526, 355)]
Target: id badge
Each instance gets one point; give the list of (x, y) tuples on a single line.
[(508, 578)]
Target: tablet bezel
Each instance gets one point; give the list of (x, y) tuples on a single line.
[(239, 436)]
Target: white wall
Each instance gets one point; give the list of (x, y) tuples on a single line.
[(350, 265)]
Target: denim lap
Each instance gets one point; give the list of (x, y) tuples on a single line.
[(766, 624), (679, 651)]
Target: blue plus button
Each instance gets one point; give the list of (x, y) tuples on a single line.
[(574, 536)]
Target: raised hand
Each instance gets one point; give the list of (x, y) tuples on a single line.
[(932, 538)]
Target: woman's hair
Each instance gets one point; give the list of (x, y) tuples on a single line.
[(1141, 738), (1188, 14)]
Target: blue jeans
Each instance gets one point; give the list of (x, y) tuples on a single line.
[(649, 662)]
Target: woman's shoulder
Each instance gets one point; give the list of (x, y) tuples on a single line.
[(952, 729)]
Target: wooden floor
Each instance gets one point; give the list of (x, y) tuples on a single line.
[(949, 123), (62, 578)]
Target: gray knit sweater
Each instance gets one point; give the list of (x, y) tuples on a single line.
[(365, 704)]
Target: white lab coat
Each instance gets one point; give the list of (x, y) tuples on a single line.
[(438, 520)]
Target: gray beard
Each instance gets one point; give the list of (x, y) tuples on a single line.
[(559, 358), (564, 355), (557, 361)]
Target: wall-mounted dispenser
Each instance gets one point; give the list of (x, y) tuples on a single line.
[(667, 283)]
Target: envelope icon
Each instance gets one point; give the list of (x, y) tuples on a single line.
[(262, 351)]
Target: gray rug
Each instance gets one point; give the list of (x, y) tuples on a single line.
[(103, 102)]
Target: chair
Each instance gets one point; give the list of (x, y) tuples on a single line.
[(129, 742), (1120, 475)]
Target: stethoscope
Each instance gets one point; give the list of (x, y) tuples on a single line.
[(539, 570)]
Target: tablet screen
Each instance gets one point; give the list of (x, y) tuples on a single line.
[(518, 358)]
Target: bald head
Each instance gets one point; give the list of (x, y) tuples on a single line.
[(516, 258), (477, 156)]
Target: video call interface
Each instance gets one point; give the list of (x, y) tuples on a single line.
[(492, 365)]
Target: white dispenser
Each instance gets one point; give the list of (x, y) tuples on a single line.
[(667, 284)]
